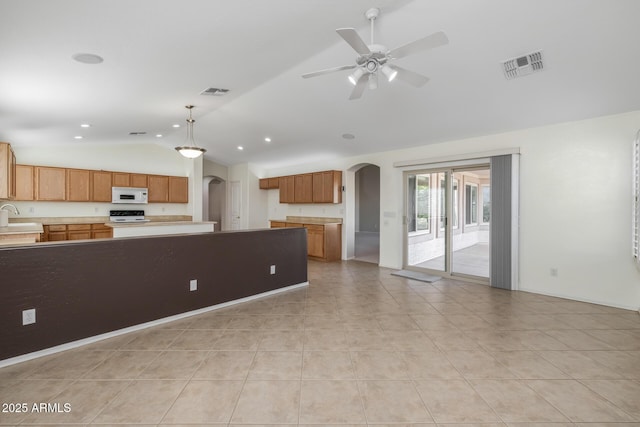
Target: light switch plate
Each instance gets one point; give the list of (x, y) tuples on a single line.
[(193, 285)]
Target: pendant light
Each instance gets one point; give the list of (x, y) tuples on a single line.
[(190, 150)]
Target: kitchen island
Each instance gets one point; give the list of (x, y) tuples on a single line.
[(159, 228)]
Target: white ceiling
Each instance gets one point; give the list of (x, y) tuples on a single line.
[(160, 54)]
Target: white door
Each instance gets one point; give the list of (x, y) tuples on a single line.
[(235, 204)]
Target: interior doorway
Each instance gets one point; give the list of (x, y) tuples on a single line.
[(448, 216), (214, 201), (367, 214)]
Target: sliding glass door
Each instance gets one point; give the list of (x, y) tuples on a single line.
[(447, 219)]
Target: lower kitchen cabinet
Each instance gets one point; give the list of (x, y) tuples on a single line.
[(324, 241), (59, 232)]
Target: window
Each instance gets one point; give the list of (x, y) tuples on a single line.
[(636, 198), (471, 204), (423, 196), (486, 204), (442, 209)]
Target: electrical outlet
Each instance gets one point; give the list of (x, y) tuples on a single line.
[(273, 269), (193, 285), (553, 271), (31, 209), (28, 316)]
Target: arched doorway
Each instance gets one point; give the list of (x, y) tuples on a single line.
[(214, 199), (366, 213)]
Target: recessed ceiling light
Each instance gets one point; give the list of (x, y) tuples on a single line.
[(267, 139), (159, 135), (176, 125), (348, 136), (240, 147), (88, 58), (85, 125), (77, 137)]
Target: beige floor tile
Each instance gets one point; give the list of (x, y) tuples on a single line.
[(454, 401), (196, 339), (152, 339), (288, 308), (392, 402), (582, 321), (209, 321), (85, 399), (578, 402), (268, 402), (578, 340), (225, 365), (514, 401), (409, 341), (430, 322), (279, 340), (123, 364), (327, 365), (397, 323), (204, 402), (528, 365), (330, 402), (174, 365), (625, 363), (323, 322), (618, 339), (452, 341), (70, 364), (577, 365), (246, 321), (143, 401), (538, 340), (429, 365), (276, 365), (478, 364), (625, 394), (379, 365), (467, 321), (357, 322), (283, 322), (29, 392), (238, 340), (325, 340)]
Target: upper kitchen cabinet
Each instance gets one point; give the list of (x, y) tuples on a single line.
[(50, 183), (101, 183), (158, 186), (303, 188), (78, 185), (178, 189), (7, 172), (327, 187), (286, 186), (121, 179), (138, 180), (24, 182)]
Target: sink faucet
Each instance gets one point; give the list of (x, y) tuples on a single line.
[(15, 210)]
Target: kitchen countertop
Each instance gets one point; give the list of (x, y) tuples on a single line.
[(155, 223), (21, 228), (95, 219), (310, 220)]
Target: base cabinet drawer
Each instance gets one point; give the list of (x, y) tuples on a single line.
[(60, 232)]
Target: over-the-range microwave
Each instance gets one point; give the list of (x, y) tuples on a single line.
[(129, 195)]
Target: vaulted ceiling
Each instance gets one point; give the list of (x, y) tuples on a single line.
[(159, 55)]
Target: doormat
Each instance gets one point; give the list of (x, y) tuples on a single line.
[(415, 275)]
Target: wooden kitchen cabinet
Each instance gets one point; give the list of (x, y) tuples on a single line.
[(138, 180), (178, 189), (78, 183), (78, 231), (303, 188), (315, 241), (101, 183), (269, 183), (158, 186), (327, 187), (101, 231), (324, 241), (121, 179), (50, 183), (60, 232), (24, 182), (286, 186), (7, 172)]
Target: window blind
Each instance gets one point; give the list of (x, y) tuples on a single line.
[(636, 198)]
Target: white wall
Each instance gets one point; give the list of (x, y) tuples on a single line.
[(140, 158), (575, 192)]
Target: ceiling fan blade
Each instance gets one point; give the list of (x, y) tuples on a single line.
[(429, 42), (360, 86), (351, 36), (413, 78), (328, 71)]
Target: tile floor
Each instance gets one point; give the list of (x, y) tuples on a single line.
[(357, 347)]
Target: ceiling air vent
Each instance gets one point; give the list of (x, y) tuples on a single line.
[(137, 133), (523, 65), (214, 91)]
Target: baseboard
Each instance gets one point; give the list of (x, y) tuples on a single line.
[(574, 298), (112, 334)]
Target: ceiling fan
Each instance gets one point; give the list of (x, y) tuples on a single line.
[(374, 57)]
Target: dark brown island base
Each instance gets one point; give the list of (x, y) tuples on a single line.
[(87, 288)]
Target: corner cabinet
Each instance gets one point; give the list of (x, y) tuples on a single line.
[(7, 172), (316, 187), (324, 241)]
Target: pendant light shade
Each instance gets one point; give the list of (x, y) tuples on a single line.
[(189, 149)]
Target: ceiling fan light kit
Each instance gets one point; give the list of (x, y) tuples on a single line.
[(374, 57)]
